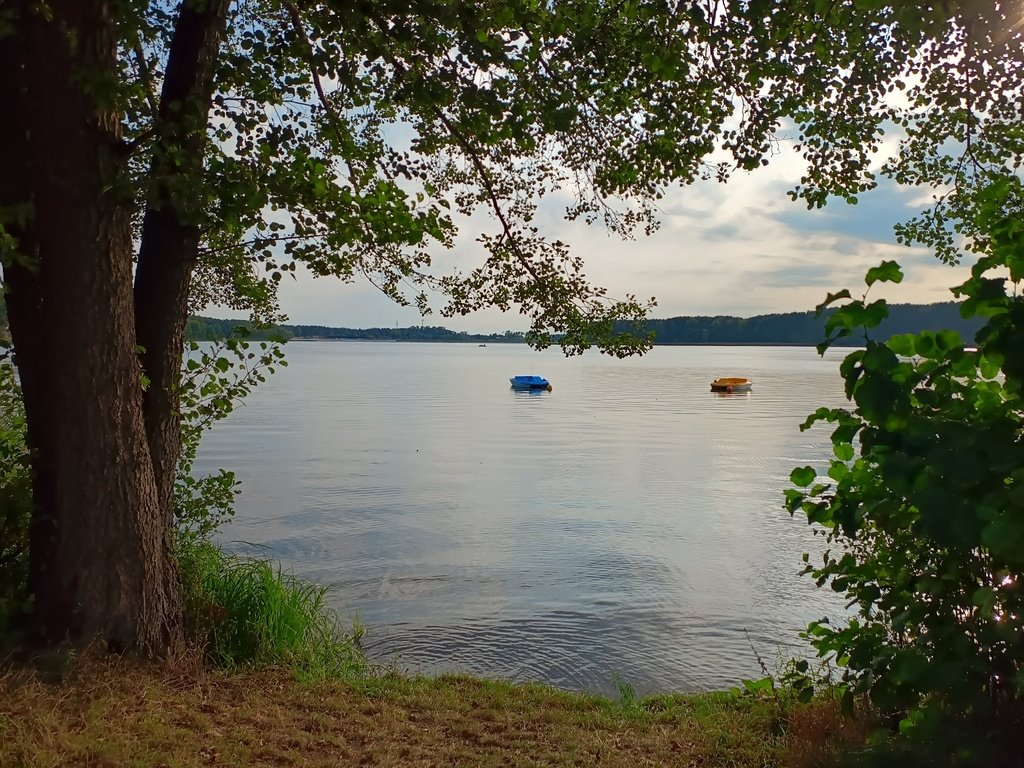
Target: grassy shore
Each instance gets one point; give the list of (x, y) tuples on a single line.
[(115, 713)]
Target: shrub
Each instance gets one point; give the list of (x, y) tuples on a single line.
[(215, 378), (924, 504), (15, 502), (248, 612)]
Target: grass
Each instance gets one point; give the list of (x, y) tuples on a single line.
[(115, 713), (248, 612)]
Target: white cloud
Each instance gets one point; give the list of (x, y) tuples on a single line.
[(742, 248)]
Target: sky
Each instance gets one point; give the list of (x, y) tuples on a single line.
[(741, 248)]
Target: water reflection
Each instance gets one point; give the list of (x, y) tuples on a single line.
[(624, 524)]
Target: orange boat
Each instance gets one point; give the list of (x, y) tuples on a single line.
[(731, 384)]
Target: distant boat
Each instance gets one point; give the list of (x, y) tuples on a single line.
[(530, 382), (731, 384), (481, 345)]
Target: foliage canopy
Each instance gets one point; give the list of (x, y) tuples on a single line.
[(357, 139)]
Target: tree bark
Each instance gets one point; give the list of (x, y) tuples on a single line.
[(171, 228), (102, 565)]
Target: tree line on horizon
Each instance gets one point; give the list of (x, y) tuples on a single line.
[(807, 328), (201, 328), (788, 328)]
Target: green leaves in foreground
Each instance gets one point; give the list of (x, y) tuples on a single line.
[(216, 377), (857, 313), (924, 515)]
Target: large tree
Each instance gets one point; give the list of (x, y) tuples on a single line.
[(160, 155)]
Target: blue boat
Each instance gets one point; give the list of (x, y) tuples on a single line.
[(530, 382)]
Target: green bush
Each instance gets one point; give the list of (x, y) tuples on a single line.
[(215, 378), (924, 508), (15, 502)]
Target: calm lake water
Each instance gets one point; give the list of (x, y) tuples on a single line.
[(626, 526)]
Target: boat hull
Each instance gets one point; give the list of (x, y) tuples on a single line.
[(731, 384), (533, 383)]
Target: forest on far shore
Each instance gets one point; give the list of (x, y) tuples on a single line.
[(789, 329)]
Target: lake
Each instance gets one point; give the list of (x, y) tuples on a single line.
[(626, 527)]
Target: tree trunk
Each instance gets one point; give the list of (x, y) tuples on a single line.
[(102, 564), (171, 228)]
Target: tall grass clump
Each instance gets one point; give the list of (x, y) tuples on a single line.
[(249, 612)]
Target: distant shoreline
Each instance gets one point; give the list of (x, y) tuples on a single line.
[(509, 343), (792, 329)]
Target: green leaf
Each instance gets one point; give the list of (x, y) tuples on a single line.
[(821, 414), (837, 470), (913, 719), (830, 299), (947, 339), (990, 364), (845, 319), (902, 344), (874, 313), (985, 599), (878, 357), (793, 500), (802, 477), (925, 345), (843, 451), (877, 397), (851, 370), (764, 685), (886, 272)]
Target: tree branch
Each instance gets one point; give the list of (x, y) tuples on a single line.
[(332, 116), (146, 77)]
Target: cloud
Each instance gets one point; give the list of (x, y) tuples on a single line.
[(798, 276), (740, 248)]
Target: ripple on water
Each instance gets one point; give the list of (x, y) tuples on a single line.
[(651, 650), (627, 525)]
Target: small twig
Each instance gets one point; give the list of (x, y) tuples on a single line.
[(146, 76), (760, 661)]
